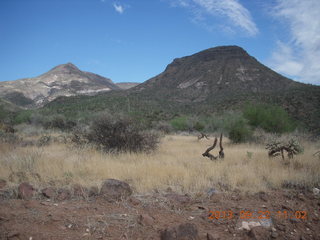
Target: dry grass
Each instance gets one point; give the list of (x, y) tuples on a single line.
[(177, 164)]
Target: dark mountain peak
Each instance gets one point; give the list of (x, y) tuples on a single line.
[(218, 71), (216, 53)]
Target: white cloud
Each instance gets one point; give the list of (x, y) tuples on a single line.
[(118, 8), (300, 56), (236, 13)]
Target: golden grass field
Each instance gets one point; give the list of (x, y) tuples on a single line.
[(177, 163)]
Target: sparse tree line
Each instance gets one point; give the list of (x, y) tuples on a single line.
[(120, 133)]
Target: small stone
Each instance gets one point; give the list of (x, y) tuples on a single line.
[(183, 231), (259, 233), (25, 191), (145, 220), (274, 235), (316, 191), (273, 229), (212, 237), (134, 201), (13, 234), (3, 183), (49, 192)]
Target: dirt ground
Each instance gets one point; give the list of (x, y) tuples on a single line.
[(148, 216)]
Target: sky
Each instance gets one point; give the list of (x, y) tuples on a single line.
[(134, 40)]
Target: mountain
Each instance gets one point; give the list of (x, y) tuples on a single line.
[(62, 80), (211, 81), (127, 85), (214, 73)]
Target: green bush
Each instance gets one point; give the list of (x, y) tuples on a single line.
[(240, 131), (180, 124), (22, 117), (59, 122), (271, 118)]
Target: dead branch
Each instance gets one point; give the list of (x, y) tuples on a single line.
[(221, 153), (202, 135), (211, 156), (207, 152)]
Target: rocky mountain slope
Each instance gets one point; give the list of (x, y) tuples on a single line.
[(63, 80), (215, 73)]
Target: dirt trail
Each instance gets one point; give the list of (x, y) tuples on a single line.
[(148, 216)]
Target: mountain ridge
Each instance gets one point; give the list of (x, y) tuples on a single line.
[(62, 80)]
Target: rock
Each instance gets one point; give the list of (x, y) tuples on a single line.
[(93, 191), (274, 235), (115, 190), (267, 223), (49, 192), (211, 192), (134, 201), (63, 194), (249, 225), (3, 183), (316, 191), (187, 231), (259, 233), (212, 237), (174, 197), (263, 196), (145, 220), (13, 234), (25, 191)]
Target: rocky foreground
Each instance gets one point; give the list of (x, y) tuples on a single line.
[(115, 212)]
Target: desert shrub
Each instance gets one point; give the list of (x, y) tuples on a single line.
[(9, 138), (180, 124), (44, 141), (240, 131), (59, 122), (22, 117), (198, 126), (121, 134), (163, 127), (270, 118)]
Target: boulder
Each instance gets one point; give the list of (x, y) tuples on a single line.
[(25, 191), (115, 190), (187, 231)]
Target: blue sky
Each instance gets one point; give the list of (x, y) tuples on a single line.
[(134, 40)]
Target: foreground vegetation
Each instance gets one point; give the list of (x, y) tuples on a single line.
[(177, 164)]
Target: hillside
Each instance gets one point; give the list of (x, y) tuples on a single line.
[(213, 80), (62, 80)]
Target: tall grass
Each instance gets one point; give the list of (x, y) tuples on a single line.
[(177, 164)]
